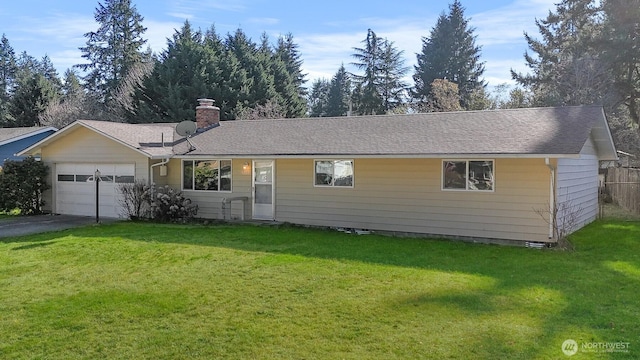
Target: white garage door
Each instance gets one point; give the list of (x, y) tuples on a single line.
[(76, 188)]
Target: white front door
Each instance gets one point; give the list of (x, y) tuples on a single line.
[(263, 189)]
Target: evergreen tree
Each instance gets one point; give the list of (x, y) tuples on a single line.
[(254, 66), (449, 53), (368, 59), (318, 98), (113, 49), (287, 51), (380, 88), (566, 69), (71, 86), (8, 69), (393, 88), (286, 66), (621, 54), (339, 94), (177, 80), (49, 72), (227, 75), (70, 106), (37, 85)]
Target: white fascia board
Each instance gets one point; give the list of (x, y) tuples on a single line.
[(375, 156)]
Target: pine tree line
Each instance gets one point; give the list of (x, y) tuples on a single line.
[(587, 53)]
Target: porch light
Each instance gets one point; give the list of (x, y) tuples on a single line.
[(96, 178), (246, 168)]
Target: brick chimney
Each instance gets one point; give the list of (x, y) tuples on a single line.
[(207, 115)]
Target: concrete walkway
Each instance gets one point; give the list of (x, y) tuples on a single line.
[(27, 225)]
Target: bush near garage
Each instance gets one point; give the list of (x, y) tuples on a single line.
[(22, 184), (159, 203), (170, 205)]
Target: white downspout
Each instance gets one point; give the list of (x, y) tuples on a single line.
[(552, 199), (163, 162)]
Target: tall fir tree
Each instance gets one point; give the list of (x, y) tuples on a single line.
[(450, 53), (8, 68), (380, 88), (36, 86), (318, 98), (287, 51), (621, 42), (368, 59), (289, 80), (566, 68), (393, 88), (113, 49), (339, 94), (177, 80), (254, 64), (71, 86), (230, 81)]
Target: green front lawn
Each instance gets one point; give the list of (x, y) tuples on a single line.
[(133, 291)]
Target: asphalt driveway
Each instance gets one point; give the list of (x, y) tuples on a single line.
[(26, 225)]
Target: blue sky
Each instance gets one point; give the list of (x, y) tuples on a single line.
[(326, 30)]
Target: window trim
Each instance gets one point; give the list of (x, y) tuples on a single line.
[(466, 189), (193, 177), (333, 186)]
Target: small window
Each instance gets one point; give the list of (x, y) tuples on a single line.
[(209, 175), (125, 179), (469, 175), (334, 173), (62, 177), (84, 178)]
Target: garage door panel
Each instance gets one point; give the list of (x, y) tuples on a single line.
[(75, 188)]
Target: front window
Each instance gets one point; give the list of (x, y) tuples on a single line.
[(471, 175), (209, 175), (334, 173)]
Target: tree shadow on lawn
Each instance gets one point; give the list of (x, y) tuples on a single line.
[(34, 245), (518, 300), (588, 295)]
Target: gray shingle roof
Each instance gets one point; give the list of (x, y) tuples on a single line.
[(147, 138), (10, 133), (531, 131)]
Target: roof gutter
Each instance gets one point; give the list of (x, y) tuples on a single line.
[(552, 198), (374, 156)]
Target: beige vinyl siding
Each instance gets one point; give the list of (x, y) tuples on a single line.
[(405, 195), (577, 188), (86, 146), (210, 202)]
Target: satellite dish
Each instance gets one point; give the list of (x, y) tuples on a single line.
[(186, 128)]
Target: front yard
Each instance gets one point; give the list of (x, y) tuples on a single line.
[(132, 290)]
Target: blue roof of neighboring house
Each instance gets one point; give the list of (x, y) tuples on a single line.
[(14, 140)]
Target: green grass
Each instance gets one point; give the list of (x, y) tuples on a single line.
[(136, 291)]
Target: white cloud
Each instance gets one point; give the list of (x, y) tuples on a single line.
[(158, 32), (198, 6), (497, 30), (263, 21), (61, 28), (66, 31), (181, 15)]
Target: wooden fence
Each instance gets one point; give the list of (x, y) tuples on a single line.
[(623, 185)]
